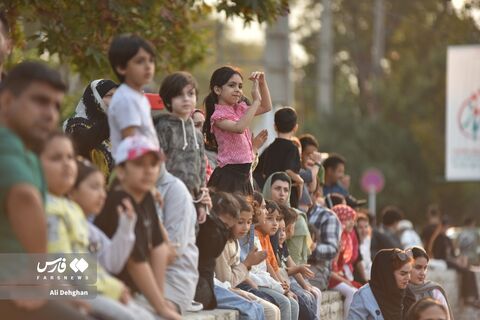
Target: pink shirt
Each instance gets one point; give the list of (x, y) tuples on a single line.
[(233, 148)]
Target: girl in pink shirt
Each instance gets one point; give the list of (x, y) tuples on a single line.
[(226, 127)]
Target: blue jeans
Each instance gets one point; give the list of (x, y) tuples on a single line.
[(306, 301), (249, 310), (288, 307)]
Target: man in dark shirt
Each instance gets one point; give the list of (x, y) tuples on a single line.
[(282, 154), (391, 216)]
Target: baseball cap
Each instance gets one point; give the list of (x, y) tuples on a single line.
[(134, 147)]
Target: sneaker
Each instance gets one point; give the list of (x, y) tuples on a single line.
[(195, 306)]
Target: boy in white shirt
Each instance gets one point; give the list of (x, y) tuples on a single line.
[(133, 61)]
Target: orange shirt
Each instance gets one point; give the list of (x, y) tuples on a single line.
[(267, 246)]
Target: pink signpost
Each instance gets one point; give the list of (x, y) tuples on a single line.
[(372, 183)]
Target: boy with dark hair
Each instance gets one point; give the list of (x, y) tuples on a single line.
[(282, 154), (5, 43), (133, 61), (309, 143), (334, 171), (138, 165), (30, 98), (180, 140), (311, 170)]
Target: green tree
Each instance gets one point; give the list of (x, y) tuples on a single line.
[(79, 32), (406, 137)]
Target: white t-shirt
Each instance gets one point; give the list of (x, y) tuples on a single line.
[(129, 108), (260, 275), (366, 255)]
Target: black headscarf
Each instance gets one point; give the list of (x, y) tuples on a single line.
[(384, 287), (89, 126)]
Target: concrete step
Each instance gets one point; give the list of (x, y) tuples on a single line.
[(332, 309), (217, 314)]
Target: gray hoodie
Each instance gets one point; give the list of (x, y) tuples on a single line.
[(179, 218), (183, 145)]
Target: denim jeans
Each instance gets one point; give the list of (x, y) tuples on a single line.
[(288, 307), (227, 299)]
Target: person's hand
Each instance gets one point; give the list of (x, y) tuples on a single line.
[(299, 183), (169, 312), (256, 95), (201, 214), (313, 246), (251, 283), (316, 157), (82, 305), (172, 254), (348, 282), (258, 75), (309, 288), (125, 296), (127, 209), (309, 163), (259, 140), (254, 257), (242, 294), (158, 197), (291, 295), (285, 286), (304, 270), (206, 200)]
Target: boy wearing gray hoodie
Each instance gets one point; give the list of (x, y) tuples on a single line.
[(181, 142)]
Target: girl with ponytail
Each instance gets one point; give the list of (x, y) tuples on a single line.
[(226, 127)]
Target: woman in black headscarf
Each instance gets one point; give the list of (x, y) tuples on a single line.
[(88, 127), (385, 297)]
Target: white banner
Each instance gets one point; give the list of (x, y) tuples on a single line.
[(463, 114)]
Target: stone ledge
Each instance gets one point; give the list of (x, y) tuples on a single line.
[(332, 309), (217, 314)]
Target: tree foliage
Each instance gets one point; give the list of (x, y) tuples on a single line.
[(406, 137), (79, 32)]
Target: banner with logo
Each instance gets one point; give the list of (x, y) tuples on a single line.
[(463, 114)]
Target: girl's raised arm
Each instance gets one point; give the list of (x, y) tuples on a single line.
[(266, 104)]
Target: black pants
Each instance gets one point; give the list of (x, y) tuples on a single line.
[(232, 178)]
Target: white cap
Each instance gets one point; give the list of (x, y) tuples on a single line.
[(134, 147)]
